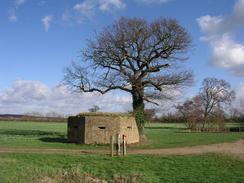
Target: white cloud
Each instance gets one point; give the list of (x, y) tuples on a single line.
[(239, 103), (238, 10), (46, 21), (81, 11), (65, 16), (12, 15), (108, 5), (87, 9), (42, 2), (33, 96), (153, 1), (218, 32), (240, 92), (211, 24), (24, 91), (228, 54), (20, 2), (12, 18)]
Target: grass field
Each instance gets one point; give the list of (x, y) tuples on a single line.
[(175, 135), (24, 168), (35, 134), (53, 135), (202, 168)]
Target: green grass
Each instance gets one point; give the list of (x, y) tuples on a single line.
[(202, 168), (53, 135), (175, 135), (37, 135), (24, 168)]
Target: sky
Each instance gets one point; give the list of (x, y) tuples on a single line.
[(39, 38)]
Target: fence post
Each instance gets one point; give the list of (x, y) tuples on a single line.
[(112, 145), (124, 145), (118, 144)]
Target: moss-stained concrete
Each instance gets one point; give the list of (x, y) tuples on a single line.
[(97, 128)]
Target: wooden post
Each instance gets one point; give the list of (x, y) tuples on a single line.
[(112, 145), (118, 145), (124, 145)]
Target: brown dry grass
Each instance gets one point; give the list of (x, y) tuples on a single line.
[(77, 177)]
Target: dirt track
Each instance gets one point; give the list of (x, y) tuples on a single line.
[(234, 149)]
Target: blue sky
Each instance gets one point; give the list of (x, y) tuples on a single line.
[(38, 38)]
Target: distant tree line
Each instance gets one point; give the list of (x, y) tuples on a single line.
[(32, 118), (209, 110)]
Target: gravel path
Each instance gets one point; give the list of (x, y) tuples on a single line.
[(234, 149)]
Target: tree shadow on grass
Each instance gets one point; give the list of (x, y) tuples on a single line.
[(29, 133), (60, 139), (164, 128)]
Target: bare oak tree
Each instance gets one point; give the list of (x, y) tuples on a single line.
[(192, 113), (134, 56), (214, 93)]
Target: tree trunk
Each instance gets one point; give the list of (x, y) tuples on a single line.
[(138, 110), (205, 120)]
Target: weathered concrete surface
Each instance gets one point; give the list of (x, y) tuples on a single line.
[(98, 128)]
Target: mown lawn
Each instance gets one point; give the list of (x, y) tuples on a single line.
[(37, 135), (53, 135), (24, 168), (166, 137)]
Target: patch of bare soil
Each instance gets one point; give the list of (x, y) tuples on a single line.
[(234, 149)]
